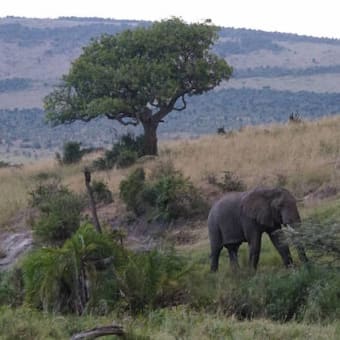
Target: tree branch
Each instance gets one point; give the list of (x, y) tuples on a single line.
[(184, 104), (120, 118)]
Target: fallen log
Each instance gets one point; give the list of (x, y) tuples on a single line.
[(99, 331)]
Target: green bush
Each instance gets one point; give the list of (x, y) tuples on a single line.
[(71, 153), (305, 294), (123, 154), (92, 273), (59, 213), (131, 191), (66, 279), (321, 239), (176, 197), (126, 158), (166, 196), (152, 279), (101, 192), (11, 287)]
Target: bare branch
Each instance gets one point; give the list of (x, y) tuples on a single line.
[(99, 331), (120, 118), (87, 175)]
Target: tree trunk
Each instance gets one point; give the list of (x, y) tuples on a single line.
[(150, 137)]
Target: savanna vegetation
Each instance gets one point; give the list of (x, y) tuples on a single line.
[(149, 269)]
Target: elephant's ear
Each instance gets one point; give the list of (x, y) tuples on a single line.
[(257, 205)]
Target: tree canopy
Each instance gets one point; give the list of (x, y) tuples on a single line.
[(139, 76)]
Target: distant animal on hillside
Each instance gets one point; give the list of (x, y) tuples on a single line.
[(243, 216)]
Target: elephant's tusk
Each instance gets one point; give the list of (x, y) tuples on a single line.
[(290, 229)]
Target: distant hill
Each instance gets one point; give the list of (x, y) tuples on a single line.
[(274, 74)]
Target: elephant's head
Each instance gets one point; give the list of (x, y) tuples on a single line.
[(271, 207)]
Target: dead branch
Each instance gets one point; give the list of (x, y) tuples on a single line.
[(87, 175), (99, 331)]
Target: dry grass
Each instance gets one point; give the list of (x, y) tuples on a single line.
[(302, 157)]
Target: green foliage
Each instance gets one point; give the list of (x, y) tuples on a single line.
[(28, 324), (175, 197), (152, 279), (4, 164), (321, 240), (169, 52), (126, 158), (59, 213), (58, 279), (166, 323), (123, 154), (174, 60), (131, 191), (166, 196), (11, 288), (93, 273), (101, 192), (71, 153), (304, 294)]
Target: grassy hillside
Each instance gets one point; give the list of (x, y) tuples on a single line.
[(302, 157)]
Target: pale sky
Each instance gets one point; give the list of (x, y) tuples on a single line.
[(319, 18)]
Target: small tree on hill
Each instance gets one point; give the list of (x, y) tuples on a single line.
[(139, 76)]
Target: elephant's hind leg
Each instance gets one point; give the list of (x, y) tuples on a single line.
[(214, 258), (233, 249)]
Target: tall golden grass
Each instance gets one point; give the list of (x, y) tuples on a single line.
[(301, 156)]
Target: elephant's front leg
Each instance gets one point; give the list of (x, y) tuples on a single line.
[(282, 248), (254, 250)]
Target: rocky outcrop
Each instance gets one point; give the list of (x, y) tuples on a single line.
[(12, 246)]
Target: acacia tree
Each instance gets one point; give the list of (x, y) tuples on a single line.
[(139, 76)]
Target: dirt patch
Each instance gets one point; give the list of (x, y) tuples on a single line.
[(182, 237)]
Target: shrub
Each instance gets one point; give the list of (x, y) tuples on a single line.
[(228, 182), (93, 273), (152, 279), (59, 213), (131, 191), (221, 131), (11, 287), (126, 158), (306, 293), (166, 196), (4, 164), (295, 117), (101, 192), (65, 279), (123, 154), (175, 197), (321, 240), (71, 153)]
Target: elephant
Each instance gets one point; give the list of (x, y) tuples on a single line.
[(243, 216)]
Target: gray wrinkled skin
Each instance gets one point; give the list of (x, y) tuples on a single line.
[(243, 216)]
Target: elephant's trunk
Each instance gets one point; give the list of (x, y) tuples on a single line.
[(297, 243)]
